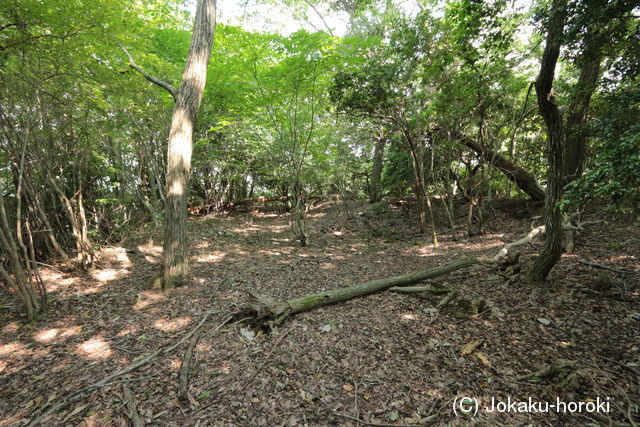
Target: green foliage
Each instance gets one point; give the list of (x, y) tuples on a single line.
[(613, 172), (300, 110)]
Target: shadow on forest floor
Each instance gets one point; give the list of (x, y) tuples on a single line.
[(385, 358)]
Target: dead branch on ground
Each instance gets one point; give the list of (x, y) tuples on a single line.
[(183, 374), (129, 368), (132, 412)]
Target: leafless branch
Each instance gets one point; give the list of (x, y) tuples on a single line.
[(156, 81)]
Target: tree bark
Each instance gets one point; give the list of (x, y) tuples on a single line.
[(188, 97), (375, 193), (269, 311), (552, 249), (576, 138)]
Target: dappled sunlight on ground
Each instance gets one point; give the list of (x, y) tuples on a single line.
[(482, 243), (116, 255), (214, 256), (317, 215), (618, 258), (272, 252), (150, 249), (57, 281), (12, 349), (11, 328), (201, 245), (108, 274), (172, 324), (174, 364), (130, 329), (388, 347), (95, 348), (91, 289), (147, 298), (13, 353), (47, 336)]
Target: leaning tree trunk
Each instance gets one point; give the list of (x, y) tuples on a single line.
[(513, 171), (188, 97), (552, 249)]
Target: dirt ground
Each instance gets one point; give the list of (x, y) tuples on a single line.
[(385, 359)]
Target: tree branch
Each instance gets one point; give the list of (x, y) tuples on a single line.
[(156, 81)]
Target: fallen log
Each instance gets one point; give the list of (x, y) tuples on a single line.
[(269, 313), (272, 313)]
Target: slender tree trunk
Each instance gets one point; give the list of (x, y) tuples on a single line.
[(89, 253), (552, 249), (16, 278), (576, 139), (188, 97), (419, 189), (48, 228), (448, 206), (84, 248), (299, 212), (375, 193)]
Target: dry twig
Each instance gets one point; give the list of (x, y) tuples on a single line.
[(264, 362), (129, 368), (132, 412), (183, 374)]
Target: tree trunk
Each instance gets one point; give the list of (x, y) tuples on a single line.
[(299, 208), (16, 278), (422, 197), (448, 205), (514, 172), (85, 255), (576, 139), (552, 249), (188, 97), (375, 193), (48, 228)]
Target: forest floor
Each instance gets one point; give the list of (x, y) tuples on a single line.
[(383, 359)]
